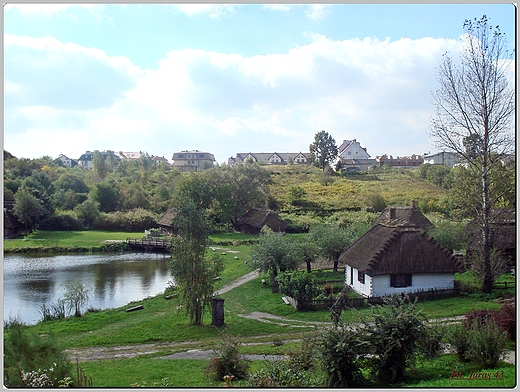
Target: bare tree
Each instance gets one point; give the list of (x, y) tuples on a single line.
[(475, 108)]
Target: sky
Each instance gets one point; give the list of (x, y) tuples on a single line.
[(226, 78)]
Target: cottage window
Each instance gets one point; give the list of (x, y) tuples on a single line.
[(361, 277), (401, 280)]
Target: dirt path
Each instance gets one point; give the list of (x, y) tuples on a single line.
[(192, 350)]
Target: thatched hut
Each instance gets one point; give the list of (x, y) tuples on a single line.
[(404, 215), (166, 222), (503, 236), (256, 218), (392, 259), (12, 226)]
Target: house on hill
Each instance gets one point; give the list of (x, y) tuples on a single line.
[(255, 219), (271, 158), (399, 258), (193, 160), (404, 215), (353, 157)]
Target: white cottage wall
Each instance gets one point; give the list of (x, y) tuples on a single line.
[(351, 279), (420, 282)]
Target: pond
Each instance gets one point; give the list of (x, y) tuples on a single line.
[(113, 280)]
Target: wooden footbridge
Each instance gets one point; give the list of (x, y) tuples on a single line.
[(150, 244)]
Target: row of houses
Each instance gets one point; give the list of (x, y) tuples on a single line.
[(351, 157), (192, 160)]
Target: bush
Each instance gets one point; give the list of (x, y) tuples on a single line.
[(65, 220), (394, 335), (281, 374), (341, 350), (132, 221), (227, 360), (25, 354), (487, 344), (299, 285)]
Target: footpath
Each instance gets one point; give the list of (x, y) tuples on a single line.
[(189, 349)]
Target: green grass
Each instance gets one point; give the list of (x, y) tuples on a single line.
[(53, 241)]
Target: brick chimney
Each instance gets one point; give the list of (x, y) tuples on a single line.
[(391, 213)]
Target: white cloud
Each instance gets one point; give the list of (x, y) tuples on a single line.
[(62, 10), (215, 11), (375, 91), (311, 11)]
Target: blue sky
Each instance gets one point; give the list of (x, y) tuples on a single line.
[(234, 78)]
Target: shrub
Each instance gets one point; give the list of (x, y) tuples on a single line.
[(506, 320), (487, 344), (341, 351), (227, 360), (299, 285), (64, 220), (134, 220), (394, 335), (27, 353), (458, 339), (281, 374)]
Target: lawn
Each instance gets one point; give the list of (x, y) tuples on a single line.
[(59, 241)]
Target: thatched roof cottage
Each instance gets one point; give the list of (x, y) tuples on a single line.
[(404, 215), (256, 218), (393, 259), (165, 222)]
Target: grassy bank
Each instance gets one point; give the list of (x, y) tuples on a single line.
[(163, 322), (68, 241)]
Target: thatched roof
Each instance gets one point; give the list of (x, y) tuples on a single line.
[(404, 216), (256, 218), (503, 233), (12, 226), (166, 220), (386, 249)]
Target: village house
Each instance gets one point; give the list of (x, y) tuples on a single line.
[(402, 162), (255, 219), (404, 215), (448, 159), (131, 155), (396, 255), (353, 157), (66, 161), (193, 160), (86, 159), (503, 236), (270, 158)]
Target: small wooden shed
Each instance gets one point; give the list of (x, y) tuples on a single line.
[(256, 218), (394, 259)]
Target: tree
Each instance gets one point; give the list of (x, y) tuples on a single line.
[(107, 195), (28, 209), (99, 165), (323, 150), (475, 109), (275, 253), (331, 241), (236, 189), (193, 272), (76, 296)]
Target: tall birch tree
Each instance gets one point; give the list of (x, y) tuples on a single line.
[(475, 106)]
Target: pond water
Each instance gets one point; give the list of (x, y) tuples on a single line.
[(113, 280)]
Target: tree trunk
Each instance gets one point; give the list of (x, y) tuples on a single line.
[(275, 286), (487, 281)]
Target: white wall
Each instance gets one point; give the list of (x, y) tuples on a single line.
[(360, 288), (379, 285), (356, 151)]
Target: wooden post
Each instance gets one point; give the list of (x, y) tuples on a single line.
[(217, 312)]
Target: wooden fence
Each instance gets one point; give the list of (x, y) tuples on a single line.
[(357, 303)]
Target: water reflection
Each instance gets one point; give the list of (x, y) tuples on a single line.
[(114, 280)]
